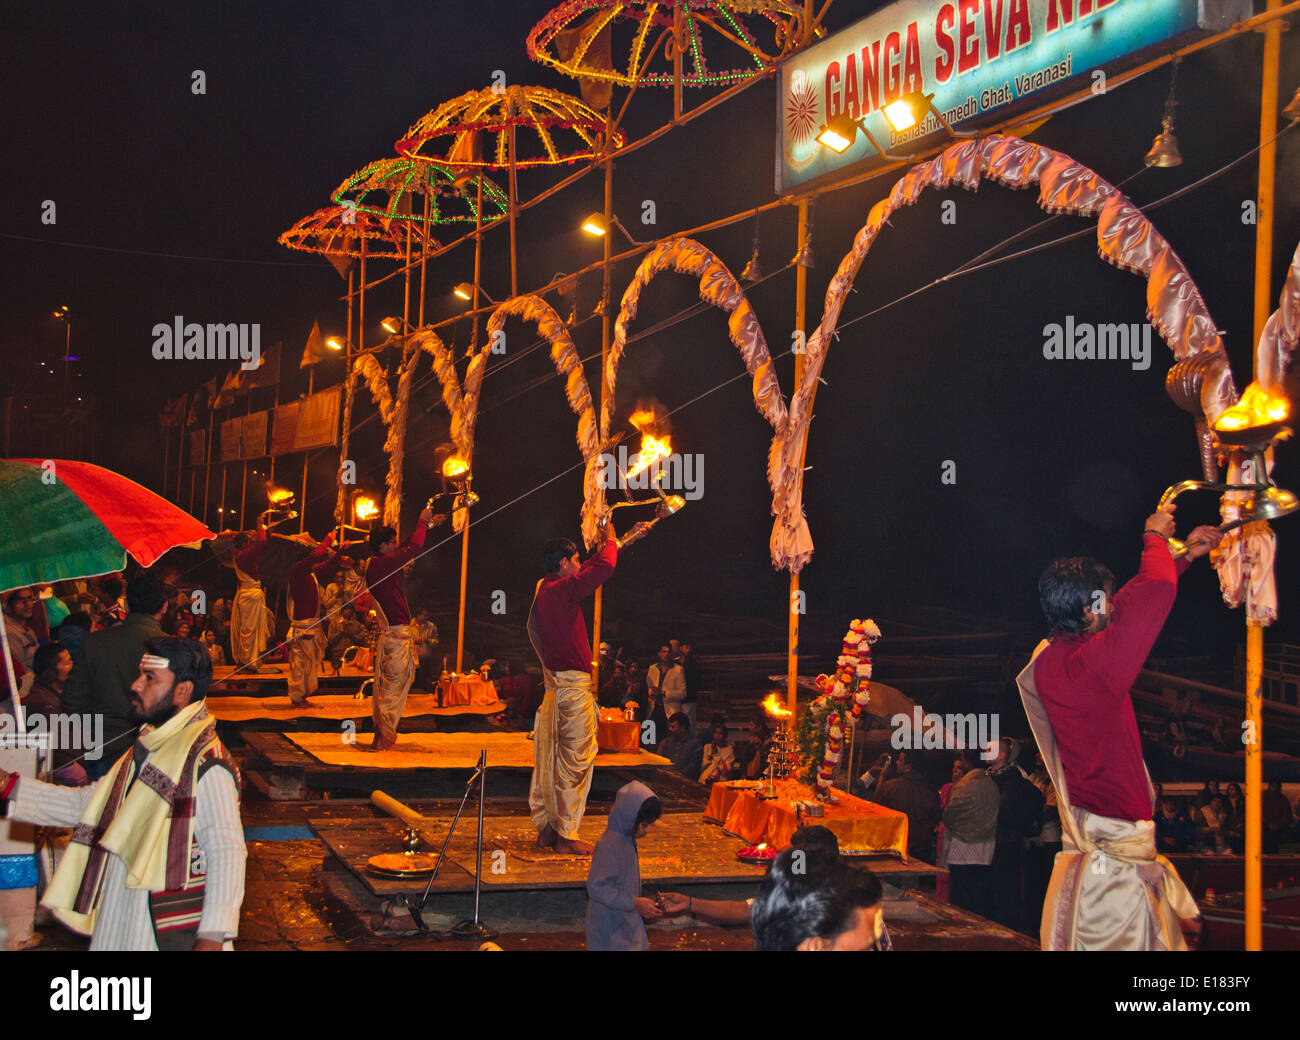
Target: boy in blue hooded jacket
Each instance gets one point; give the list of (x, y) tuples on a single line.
[(616, 910)]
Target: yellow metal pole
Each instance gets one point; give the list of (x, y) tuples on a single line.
[(792, 606), (473, 346), (1254, 630), (604, 390)]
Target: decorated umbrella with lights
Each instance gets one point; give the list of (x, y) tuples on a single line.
[(340, 233), (61, 520), (511, 128), (575, 38), (384, 188)]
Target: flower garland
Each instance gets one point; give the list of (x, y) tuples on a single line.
[(844, 695)]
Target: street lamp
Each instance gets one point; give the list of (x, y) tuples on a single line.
[(64, 315), (596, 225)]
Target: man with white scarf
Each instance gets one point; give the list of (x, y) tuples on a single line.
[(1110, 889), (157, 855)]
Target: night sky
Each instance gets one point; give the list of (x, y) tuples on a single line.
[(1052, 457)]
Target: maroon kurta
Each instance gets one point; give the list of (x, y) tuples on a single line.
[(1084, 683), (384, 577), (557, 611), (249, 558), (304, 593)]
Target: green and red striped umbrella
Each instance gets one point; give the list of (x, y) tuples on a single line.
[(61, 519)]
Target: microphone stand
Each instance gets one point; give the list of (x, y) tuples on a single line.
[(462, 929)]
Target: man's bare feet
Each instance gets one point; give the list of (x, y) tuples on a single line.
[(574, 847), (377, 745), (546, 838)]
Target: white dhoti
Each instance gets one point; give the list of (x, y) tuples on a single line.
[(306, 649), (250, 627), (394, 674), (1110, 888), (564, 753)]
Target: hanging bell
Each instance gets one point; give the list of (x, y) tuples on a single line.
[(1164, 150)]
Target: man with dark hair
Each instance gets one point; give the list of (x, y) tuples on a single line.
[(812, 901), (564, 735), (1110, 888), (109, 662), (250, 621), (156, 859), (113, 611), (395, 649), (681, 747), (911, 793)]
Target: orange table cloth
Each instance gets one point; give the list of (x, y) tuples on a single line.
[(615, 733), (860, 826), (464, 690)]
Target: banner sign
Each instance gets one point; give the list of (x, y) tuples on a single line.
[(983, 60), (230, 436), (318, 420), (252, 437), (284, 430), (197, 446)]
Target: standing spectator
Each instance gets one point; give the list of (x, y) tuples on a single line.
[(19, 628), (1042, 850), (910, 793), (719, 757), (113, 607), (1020, 817), (667, 682), (109, 662), (943, 883), (613, 685), (1278, 817), (52, 665), (970, 825), (426, 640), (635, 685)]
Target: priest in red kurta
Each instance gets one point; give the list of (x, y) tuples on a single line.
[(1110, 889)]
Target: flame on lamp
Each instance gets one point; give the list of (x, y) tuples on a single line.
[(775, 708), (455, 466), (365, 508), (652, 448), (1257, 407), (277, 496)]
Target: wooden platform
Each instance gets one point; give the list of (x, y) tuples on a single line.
[(450, 751), (229, 675), (538, 888), (283, 771), (332, 707)]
